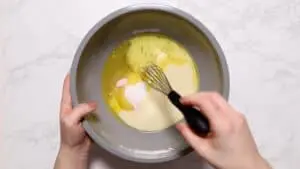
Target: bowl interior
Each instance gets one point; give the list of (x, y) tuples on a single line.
[(109, 132)]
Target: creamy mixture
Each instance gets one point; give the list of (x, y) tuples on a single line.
[(132, 101)]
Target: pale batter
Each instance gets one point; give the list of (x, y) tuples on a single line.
[(154, 111), (132, 101)]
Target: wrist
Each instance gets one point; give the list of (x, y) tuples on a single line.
[(262, 164), (71, 158), (258, 163)]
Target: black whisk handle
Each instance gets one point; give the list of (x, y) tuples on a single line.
[(194, 118)]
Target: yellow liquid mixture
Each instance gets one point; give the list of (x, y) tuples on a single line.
[(132, 101)]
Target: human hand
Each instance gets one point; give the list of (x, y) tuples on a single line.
[(75, 144), (230, 144)]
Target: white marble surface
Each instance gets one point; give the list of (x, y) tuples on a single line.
[(38, 38)]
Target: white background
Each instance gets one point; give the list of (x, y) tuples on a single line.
[(38, 39)]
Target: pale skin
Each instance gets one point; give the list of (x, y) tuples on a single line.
[(75, 144), (229, 146)]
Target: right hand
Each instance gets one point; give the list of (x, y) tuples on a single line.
[(230, 145)]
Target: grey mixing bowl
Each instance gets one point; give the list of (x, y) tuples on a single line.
[(107, 131)]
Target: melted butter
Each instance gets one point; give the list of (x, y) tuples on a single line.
[(120, 69)]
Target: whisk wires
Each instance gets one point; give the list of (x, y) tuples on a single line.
[(154, 76)]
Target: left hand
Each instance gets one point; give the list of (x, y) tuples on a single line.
[(75, 143)]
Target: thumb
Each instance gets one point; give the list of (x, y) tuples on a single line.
[(82, 110), (195, 141), (202, 102)]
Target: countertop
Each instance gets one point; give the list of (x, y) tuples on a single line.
[(38, 39)]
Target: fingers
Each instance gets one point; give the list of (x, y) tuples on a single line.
[(80, 111), (66, 101), (203, 102), (76, 115), (210, 103), (196, 142)]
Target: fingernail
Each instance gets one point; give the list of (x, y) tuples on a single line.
[(179, 126), (92, 104), (181, 99)]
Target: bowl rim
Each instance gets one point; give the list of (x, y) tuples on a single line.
[(134, 8)]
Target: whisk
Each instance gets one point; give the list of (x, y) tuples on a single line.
[(155, 78)]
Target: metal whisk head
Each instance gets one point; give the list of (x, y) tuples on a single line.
[(154, 76)]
